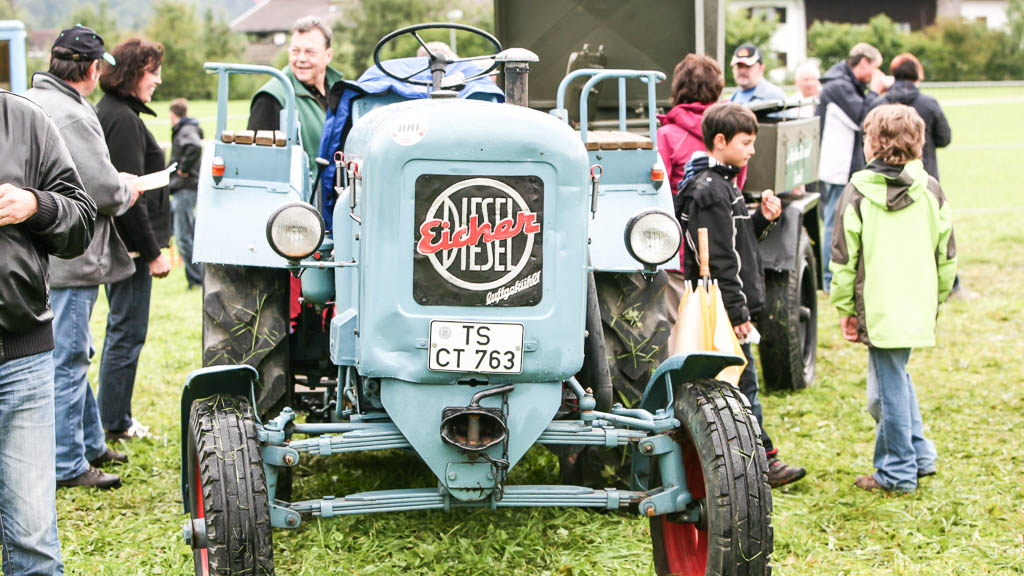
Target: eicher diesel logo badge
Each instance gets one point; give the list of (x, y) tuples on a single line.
[(478, 240)]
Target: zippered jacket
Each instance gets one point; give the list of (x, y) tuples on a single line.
[(106, 260), (893, 254), (35, 159), (146, 226), (711, 200), (187, 151), (841, 89)]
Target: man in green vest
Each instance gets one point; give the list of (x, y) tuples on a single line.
[(308, 57)]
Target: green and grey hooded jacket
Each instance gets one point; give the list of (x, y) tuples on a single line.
[(893, 254)]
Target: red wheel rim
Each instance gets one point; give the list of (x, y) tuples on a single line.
[(200, 514), (686, 547)]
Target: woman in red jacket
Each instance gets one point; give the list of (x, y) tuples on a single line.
[(697, 83)]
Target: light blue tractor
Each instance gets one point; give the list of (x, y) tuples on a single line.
[(445, 312)]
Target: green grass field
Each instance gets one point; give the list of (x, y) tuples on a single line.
[(969, 519)]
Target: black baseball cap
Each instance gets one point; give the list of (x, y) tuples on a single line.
[(746, 54), (84, 44)]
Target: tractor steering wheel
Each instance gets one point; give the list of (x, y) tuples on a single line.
[(437, 62)]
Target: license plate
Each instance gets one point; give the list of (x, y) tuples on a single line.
[(476, 347)]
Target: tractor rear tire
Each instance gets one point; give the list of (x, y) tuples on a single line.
[(635, 323), (725, 466), (245, 321), (789, 325), (228, 489), (635, 318)]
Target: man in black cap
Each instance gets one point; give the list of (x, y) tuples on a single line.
[(62, 92), (748, 70)]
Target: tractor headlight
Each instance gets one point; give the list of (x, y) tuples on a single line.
[(295, 230), (653, 237)]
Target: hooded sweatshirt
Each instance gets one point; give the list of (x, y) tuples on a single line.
[(680, 136), (893, 254), (106, 260), (936, 128)]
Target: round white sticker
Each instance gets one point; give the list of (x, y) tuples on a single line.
[(408, 131)]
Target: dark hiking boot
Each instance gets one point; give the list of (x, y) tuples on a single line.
[(109, 456), (929, 472), (780, 473), (92, 478)]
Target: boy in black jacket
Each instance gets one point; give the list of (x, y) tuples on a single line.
[(709, 198)]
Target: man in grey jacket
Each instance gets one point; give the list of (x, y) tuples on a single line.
[(62, 92)]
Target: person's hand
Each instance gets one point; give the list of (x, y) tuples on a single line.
[(160, 267), (182, 174), (16, 204), (878, 82), (848, 325), (743, 330), (800, 190), (771, 206), (129, 180)]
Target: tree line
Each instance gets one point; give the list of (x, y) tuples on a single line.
[(949, 50), (953, 50)]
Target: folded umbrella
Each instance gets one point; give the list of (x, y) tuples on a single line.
[(703, 324)]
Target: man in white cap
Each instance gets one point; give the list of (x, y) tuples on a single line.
[(748, 70)]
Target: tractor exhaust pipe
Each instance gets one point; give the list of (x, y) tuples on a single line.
[(475, 428), (517, 74)]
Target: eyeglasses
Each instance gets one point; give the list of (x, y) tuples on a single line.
[(308, 53)]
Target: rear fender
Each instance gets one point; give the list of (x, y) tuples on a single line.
[(232, 380), (683, 368), (778, 250)]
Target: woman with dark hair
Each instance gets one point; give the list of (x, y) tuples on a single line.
[(696, 84), (908, 73), (145, 228)]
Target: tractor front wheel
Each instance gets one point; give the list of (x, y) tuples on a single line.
[(726, 468), (227, 489)]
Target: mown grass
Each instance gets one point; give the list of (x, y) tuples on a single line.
[(969, 519)]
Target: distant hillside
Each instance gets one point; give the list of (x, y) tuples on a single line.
[(43, 14)]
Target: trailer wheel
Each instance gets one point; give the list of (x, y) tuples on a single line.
[(245, 321), (726, 468), (790, 324), (227, 489)]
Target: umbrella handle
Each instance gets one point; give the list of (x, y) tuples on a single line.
[(702, 248)]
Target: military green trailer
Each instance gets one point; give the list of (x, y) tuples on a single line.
[(569, 35)]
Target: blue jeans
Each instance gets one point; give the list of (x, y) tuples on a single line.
[(183, 206), (748, 386), (79, 433), (28, 486), (901, 450), (127, 324), (829, 199)]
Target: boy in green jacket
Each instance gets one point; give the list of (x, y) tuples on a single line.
[(893, 261)]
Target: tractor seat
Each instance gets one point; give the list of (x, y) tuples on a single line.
[(617, 140)]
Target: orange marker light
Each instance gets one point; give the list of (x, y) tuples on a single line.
[(218, 167), (657, 174)]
